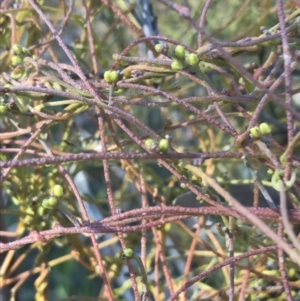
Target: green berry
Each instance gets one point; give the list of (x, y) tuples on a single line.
[(58, 190), (111, 76), (114, 76), (3, 109), (255, 132), (41, 210), (177, 65), (150, 144), (16, 60), (180, 51), (107, 76), (264, 128), (127, 253), (49, 203), (193, 59), (163, 145), (52, 201)]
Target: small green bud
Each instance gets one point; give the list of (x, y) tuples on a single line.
[(16, 60), (150, 144), (255, 132), (193, 59), (127, 253), (114, 76), (58, 190), (264, 128), (3, 109), (17, 49), (163, 145), (177, 65), (180, 51)]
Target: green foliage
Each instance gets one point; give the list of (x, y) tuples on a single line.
[(83, 161)]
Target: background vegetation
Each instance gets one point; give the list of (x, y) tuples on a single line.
[(149, 150)]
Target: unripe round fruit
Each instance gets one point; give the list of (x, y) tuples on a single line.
[(47, 204), (193, 59), (3, 109), (149, 143), (114, 76), (180, 51), (128, 252), (16, 60), (58, 190), (163, 145), (41, 210), (107, 76), (52, 201), (177, 65), (255, 132), (264, 128)]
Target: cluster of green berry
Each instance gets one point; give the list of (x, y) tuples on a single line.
[(21, 70), (111, 76), (32, 214), (181, 57), (261, 130), (52, 202), (162, 146)]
